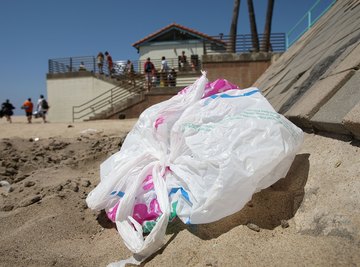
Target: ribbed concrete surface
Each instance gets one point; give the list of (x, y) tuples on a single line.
[(316, 83)]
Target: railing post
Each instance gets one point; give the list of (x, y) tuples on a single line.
[(204, 47), (50, 68), (71, 68), (309, 20), (94, 64), (73, 111)]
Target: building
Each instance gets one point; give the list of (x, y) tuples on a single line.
[(171, 40)]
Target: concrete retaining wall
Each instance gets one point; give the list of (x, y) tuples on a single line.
[(66, 91), (316, 82), (240, 69)]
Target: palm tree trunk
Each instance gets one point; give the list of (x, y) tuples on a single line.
[(233, 28), (254, 34), (265, 46)]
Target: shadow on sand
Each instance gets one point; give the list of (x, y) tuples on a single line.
[(266, 209)]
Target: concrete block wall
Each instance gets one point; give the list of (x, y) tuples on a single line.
[(240, 69), (316, 82)]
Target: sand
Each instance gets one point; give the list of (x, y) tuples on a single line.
[(309, 218)]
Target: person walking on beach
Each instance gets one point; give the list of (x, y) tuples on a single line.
[(28, 107), (42, 107), (7, 109)]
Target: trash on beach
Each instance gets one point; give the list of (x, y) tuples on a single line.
[(199, 156), (5, 186), (90, 131)]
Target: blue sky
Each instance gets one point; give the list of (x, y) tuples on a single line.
[(32, 32)]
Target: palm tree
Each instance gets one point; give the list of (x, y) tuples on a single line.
[(233, 28), (265, 46), (254, 33)]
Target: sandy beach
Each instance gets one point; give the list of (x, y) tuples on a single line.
[(309, 218)]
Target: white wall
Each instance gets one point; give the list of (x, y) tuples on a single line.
[(64, 93)]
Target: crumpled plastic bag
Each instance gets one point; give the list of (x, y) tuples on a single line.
[(200, 155)]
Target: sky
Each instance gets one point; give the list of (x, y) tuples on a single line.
[(32, 32)]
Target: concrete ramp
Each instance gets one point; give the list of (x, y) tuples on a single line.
[(316, 83)]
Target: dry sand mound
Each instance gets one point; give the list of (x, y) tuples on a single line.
[(310, 218)]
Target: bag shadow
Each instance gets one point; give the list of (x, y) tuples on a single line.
[(266, 209)]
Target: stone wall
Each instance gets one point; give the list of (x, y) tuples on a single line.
[(240, 69)]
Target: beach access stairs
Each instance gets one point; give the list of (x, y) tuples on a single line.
[(125, 94)]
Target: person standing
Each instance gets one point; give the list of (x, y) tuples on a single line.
[(82, 66), (164, 72), (7, 109), (42, 107), (28, 107), (182, 61), (130, 72), (109, 62), (148, 70), (100, 62)]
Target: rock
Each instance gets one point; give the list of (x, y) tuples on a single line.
[(250, 204), (337, 164), (253, 227), (75, 188), (284, 223), (85, 183), (29, 184)]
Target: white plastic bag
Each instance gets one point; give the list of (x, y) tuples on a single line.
[(200, 156)]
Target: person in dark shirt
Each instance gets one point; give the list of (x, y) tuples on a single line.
[(148, 70), (7, 110), (109, 62)]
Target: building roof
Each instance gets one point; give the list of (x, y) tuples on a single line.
[(178, 27)]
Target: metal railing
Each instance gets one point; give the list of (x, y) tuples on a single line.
[(109, 99), (116, 98), (243, 43), (307, 21), (72, 64)]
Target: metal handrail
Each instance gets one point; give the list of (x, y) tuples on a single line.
[(119, 94), (308, 16), (72, 64), (109, 98), (243, 43)]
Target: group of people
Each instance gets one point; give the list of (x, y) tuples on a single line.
[(101, 59), (42, 107), (184, 64), (167, 75)]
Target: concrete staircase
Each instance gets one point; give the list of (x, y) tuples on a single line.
[(124, 96), (116, 99), (117, 107)]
